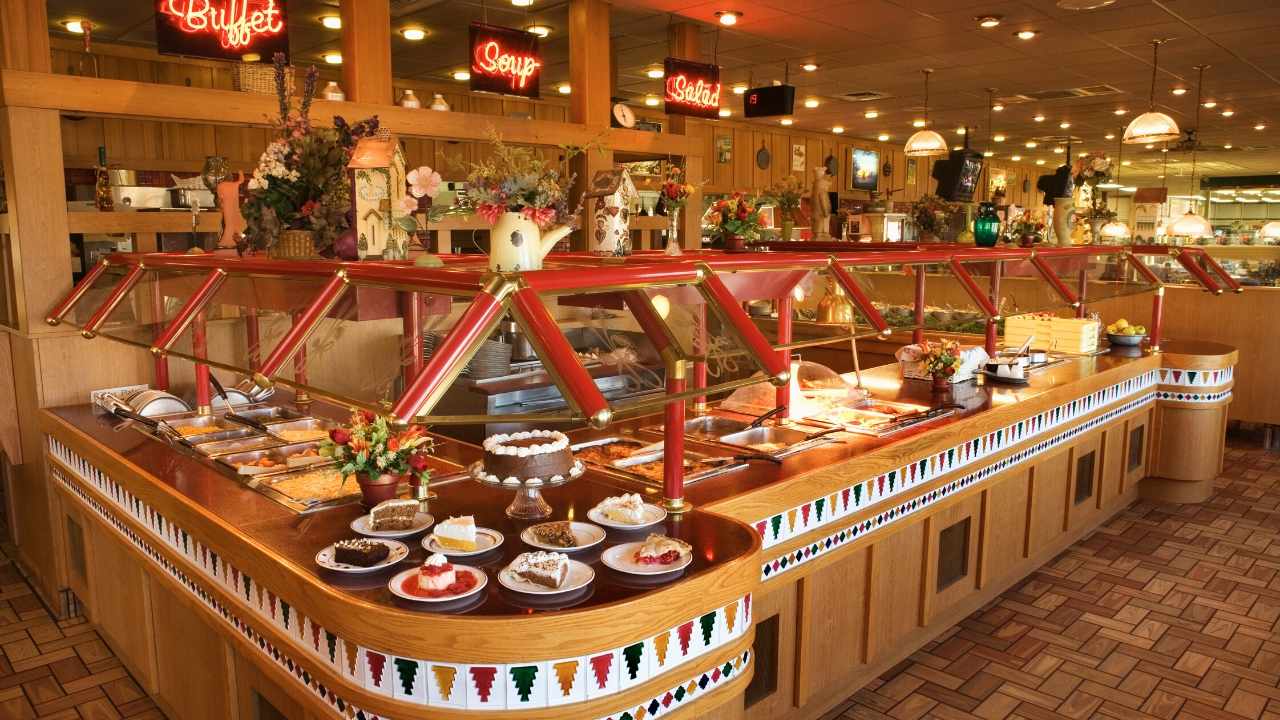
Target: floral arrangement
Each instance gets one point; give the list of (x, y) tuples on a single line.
[(1091, 169), (1027, 224), (786, 194), (942, 358), (300, 182), (367, 446), (674, 190), (933, 215), (736, 216), (517, 179)]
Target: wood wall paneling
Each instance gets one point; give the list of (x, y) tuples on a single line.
[(779, 602), (895, 589), (1111, 470), (1049, 487), (1080, 510), (1004, 523), (366, 50), (24, 35)]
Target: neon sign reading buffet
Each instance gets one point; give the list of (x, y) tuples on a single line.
[(237, 23), (696, 93), (492, 60)]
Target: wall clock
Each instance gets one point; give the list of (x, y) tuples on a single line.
[(624, 115)]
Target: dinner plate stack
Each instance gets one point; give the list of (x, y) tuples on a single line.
[(493, 359)]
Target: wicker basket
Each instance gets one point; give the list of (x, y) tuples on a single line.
[(294, 245), (259, 78)]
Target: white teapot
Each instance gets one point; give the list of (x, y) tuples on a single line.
[(516, 243)]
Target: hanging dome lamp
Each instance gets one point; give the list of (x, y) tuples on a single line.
[(925, 142), (1152, 126), (1192, 224)]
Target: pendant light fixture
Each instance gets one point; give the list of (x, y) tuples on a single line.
[(1192, 224), (1114, 230), (1152, 126), (1270, 231), (925, 142)]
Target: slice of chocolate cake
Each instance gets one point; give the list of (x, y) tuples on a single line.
[(360, 552)]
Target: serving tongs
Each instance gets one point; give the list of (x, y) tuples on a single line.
[(231, 414), (761, 418)]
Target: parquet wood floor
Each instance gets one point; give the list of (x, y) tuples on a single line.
[(1164, 612)]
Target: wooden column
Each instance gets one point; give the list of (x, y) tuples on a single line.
[(366, 50), (24, 36), (590, 103), (683, 41)]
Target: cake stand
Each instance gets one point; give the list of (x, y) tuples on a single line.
[(528, 503)]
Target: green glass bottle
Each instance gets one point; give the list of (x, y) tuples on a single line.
[(986, 225)]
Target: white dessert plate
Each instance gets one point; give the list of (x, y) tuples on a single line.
[(486, 540), (622, 558), (410, 576), (398, 552), (421, 522), (652, 516), (586, 534), (580, 574)]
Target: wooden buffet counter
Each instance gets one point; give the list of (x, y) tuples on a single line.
[(809, 577)]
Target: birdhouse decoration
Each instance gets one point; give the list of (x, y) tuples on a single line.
[(379, 197), (613, 194)]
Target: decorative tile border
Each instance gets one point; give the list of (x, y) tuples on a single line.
[(827, 509), (1193, 397), (790, 561), (1197, 378), (532, 684), (673, 699)]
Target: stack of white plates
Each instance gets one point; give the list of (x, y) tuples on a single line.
[(493, 359)]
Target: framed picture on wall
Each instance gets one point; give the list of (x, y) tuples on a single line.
[(797, 157), (864, 169), (724, 148), (911, 171)]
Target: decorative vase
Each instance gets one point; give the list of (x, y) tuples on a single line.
[(673, 235), (735, 244), (940, 383), (986, 226), (410, 100), (374, 490), (439, 103), (294, 245), (1063, 210), (788, 227)]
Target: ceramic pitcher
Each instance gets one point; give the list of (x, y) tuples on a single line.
[(516, 243)]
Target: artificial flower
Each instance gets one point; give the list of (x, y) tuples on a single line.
[(542, 217), (340, 436), (490, 212), (424, 182), (408, 205)]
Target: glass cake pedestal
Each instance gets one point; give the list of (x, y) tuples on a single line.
[(528, 503)]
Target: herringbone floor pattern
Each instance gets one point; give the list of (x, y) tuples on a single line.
[(1165, 612)]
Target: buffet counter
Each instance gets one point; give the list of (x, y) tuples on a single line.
[(864, 546)]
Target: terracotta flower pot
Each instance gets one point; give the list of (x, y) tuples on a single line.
[(940, 383), (374, 490), (735, 244)]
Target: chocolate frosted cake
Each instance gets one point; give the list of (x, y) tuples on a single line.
[(531, 457)]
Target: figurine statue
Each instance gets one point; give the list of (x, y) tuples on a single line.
[(820, 201)]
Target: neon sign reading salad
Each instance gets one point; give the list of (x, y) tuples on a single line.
[(692, 88), (237, 24), (490, 58)]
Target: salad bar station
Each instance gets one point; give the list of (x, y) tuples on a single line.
[(687, 518)]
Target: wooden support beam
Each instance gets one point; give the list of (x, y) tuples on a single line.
[(683, 41), (24, 36), (366, 50), (590, 104)]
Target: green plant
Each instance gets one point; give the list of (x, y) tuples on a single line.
[(786, 194)]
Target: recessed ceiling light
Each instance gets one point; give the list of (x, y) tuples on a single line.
[(1164, 149), (1260, 126), (1064, 124), (883, 137), (1227, 146), (539, 30), (333, 22), (998, 138), (461, 75), (957, 147), (988, 21), (522, 3), (811, 102), (564, 88), (333, 58), (1026, 34), (1082, 154), (1016, 158), (74, 26), (961, 130), (809, 67), (651, 100), (988, 153), (1179, 91), (786, 121), (1210, 104), (1150, 146), (1228, 112), (1038, 118), (997, 108), (1120, 111), (1110, 136), (725, 112), (728, 17), (871, 114), (838, 129), (414, 33), (1031, 143), (739, 89), (1126, 163), (1040, 162), (1058, 151), (917, 123), (654, 72), (250, 57)]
